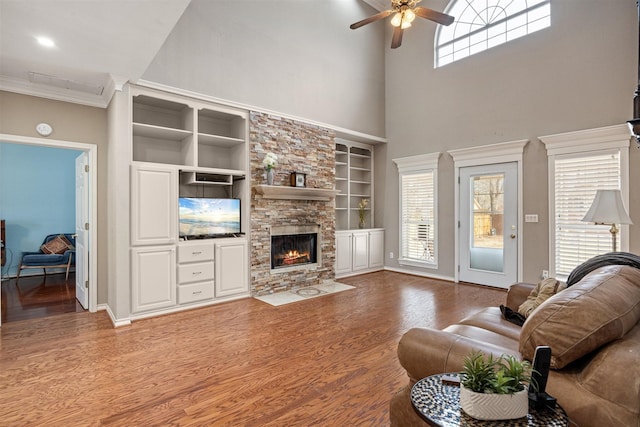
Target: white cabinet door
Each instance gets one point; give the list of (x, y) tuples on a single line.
[(153, 281), (154, 205), (343, 253), (360, 251), (376, 248), (231, 268)]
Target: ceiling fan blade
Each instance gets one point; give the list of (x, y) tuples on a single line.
[(371, 19), (396, 40), (432, 15)]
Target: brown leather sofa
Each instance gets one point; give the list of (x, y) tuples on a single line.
[(592, 328)]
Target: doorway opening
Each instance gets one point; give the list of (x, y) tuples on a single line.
[(488, 206), (52, 289)]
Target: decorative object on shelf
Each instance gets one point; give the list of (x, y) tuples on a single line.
[(362, 206), (298, 179), (270, 161), (494, 389), (608, 208)]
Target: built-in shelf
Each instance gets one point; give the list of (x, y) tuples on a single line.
[(295, 193), (160, 132), (354, 179)]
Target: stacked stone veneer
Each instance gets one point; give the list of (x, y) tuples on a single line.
[(300, 147)]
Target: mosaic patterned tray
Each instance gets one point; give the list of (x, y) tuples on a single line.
[(439, 404)]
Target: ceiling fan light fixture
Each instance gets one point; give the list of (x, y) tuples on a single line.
[(396, 21), (405, 25), (409, 16)]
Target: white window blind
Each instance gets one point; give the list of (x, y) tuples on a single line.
[(577, 177), (418, 226)]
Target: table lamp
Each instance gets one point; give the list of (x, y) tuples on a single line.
[(607, 208)]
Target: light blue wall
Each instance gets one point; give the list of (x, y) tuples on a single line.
[(37, 197)]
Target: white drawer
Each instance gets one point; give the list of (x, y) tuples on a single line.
[(195, 252), (198, 272), (195, 292)]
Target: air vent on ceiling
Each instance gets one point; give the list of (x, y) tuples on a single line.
[(44, 79)]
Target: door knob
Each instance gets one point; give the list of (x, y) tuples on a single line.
[(513, 236)]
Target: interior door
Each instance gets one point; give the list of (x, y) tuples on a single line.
[(82, 235), (488, 229)]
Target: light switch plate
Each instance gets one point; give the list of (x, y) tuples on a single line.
[(531, 218)]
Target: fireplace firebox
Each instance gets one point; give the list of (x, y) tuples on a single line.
[(290, 250)]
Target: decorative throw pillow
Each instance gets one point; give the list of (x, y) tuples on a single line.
[(58, 245), (543, 291), (602, 307)]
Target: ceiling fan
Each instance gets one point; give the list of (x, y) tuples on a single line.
[(405, 12)]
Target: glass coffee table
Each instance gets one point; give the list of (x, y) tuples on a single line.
[(439, 405)]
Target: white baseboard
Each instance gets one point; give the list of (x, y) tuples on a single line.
[(420, 273), (116, 323)]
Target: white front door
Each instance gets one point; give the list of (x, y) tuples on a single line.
[(82, 235), (488, 229)]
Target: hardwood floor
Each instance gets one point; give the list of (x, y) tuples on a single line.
[(327, 361), (38, 296)]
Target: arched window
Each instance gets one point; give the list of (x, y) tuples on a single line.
[(482, 24)]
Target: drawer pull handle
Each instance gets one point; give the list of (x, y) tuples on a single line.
[(196, 292), (195, 273), (196, 253)]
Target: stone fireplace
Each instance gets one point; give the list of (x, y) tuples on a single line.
[(294, 247), (304, 148)]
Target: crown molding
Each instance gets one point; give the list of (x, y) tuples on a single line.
[(615, 136), (23, 87), (419, 162), (489, 154)]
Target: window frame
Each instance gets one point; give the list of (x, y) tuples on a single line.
[(490, 41), (586, 143), (423, 163)]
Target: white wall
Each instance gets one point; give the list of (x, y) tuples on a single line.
[(297, 57), (578, 74)]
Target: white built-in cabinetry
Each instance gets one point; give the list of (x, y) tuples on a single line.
[(231, 272), (359, 251), (184, 147), (358, 248), (196, 267), (153, 278)]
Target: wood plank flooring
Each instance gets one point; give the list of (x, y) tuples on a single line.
[(326, 361), (32, 297)]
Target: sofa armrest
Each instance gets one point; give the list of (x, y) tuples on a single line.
[(424, 352), (517, 294)]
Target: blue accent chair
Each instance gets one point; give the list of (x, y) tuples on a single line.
[(43, 260)]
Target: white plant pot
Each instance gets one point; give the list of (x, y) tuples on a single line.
[(491, 406)]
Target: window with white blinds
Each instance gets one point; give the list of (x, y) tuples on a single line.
[(577, 177), (417, 205)]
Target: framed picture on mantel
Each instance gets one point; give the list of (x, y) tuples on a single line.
[(298, 179)]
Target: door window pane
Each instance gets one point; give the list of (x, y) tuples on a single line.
[(488, 223)]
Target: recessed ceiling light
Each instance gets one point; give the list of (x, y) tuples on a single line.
[(46, 41)]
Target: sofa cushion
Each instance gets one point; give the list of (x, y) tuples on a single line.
[(542, 292), (600, 308)]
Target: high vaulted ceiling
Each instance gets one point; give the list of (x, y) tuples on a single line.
[(98, 45)]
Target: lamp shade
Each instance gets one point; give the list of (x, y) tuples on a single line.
[(607, 208)]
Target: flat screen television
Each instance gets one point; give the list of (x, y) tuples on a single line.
[(208, 217)]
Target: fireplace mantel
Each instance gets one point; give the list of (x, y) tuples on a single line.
[(284, 192)]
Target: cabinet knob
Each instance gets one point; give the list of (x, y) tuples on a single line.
[(196, 253), (195, 273)]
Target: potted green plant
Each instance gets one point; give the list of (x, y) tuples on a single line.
[(494, 388)]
